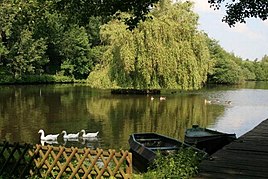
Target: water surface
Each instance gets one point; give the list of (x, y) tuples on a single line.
[(26, 109)]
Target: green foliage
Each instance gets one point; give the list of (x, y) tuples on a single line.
[(78, 11), (99, 78), (238, 11), (165, 52), (226, 69), (30, 79), (248, 70), (37, 38), (259, 72), (264, 66), (182, 164), (75, 50), (227, 72), (24, 54), (27, 55)]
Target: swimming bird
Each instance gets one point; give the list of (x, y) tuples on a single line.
[(69, 136), (228, 102), (207, 101), (152, 98), (162, 98), (87, 135), (47, 137)]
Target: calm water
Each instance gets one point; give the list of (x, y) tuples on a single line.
[(26, 109)]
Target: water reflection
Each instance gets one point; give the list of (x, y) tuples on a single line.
[(26, 109), (79, 142)]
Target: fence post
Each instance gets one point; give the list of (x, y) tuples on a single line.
[(129, 164)]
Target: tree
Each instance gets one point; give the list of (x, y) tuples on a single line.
[(26, 56), (24, 53), (74, 49), (249, 70), (238, 11), (63, 45), (259, 72), (166, 51), (264, 65), (226, 69), (78, 11)]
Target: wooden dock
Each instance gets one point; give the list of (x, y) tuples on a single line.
[(245, 158)]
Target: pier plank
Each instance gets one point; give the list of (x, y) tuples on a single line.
[(246, 157)]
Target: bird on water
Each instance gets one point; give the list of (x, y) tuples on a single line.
[(48, 137)]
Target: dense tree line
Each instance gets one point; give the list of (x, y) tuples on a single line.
[(135, 44), (37, 38), (230, 69)]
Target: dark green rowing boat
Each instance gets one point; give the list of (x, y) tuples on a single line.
[(206, 139)]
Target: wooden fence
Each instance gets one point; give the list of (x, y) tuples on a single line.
[(62, 162), (14, 159)]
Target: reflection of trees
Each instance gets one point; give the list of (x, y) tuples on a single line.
[(19, 103), (123, 115), (26, 109)]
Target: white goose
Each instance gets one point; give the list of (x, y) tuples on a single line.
[(70, 136), (47, 137), (87, 135)]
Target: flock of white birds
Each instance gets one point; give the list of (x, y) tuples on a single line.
[(54, 137)]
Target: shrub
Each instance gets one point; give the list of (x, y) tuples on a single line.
[(182, 164)]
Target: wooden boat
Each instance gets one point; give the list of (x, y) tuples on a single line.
[(206, 139), (144, 147)]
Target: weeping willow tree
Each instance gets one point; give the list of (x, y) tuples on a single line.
[(166, 51)]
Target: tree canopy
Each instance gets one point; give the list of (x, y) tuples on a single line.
[(79, 10), (133, 43), (165, 52), (239, 10)]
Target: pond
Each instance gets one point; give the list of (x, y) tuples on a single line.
[(72, 107)]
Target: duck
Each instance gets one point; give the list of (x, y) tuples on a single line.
[(207, 101), (49, 137), (87, 135), (162, 98), (228, 102), (70, 136), (152, 98)]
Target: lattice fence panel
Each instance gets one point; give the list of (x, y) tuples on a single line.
[(59, 162), (14, 159)]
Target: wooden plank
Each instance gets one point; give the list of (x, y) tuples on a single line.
[(246, 157), (239, 161), (253, 147), (231, 164), (237, 171), (216, 174)]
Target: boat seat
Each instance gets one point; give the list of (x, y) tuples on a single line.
[(164, 148), (147, 140)]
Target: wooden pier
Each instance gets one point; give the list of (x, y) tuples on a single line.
[(246, 157)]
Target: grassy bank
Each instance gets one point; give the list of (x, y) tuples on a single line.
[(36, 79)]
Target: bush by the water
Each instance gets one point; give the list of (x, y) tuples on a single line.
[(183, 164)]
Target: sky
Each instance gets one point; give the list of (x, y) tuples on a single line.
[(246, 40)]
